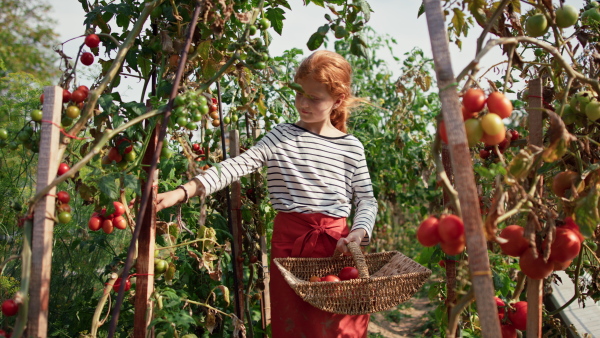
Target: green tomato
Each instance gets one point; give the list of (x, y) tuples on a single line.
[(260, 65), (536, 25), (13, 145), (179, 100), (166, 153), (203, 109), (196, 117), (264, 24), (66, 121), (474, 131), (36, 115), (3, 134), (538, 52), (592, 110), (65, 217), (234, 118), (202, 100), (566, 16), (252, 29), (182, 121), (227, 120), (23, 136), (130, 156), (191, 126), (73, 112)]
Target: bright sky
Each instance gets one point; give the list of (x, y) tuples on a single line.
[(395, 18)]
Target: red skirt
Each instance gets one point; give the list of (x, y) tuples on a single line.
[(307, 235)]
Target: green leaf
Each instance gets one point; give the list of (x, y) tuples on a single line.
[(134, 108), (421, 10), (316, 2), (123, 21), (132, 59), (458, 21), (586, 212), (108, 187), (366, 9), (276, 16), (145, 66), (323, 30), (357, 47), (315, 41)]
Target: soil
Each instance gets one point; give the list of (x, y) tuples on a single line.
[(404, 321)]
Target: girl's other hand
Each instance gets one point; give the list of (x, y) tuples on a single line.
[(354, 236)]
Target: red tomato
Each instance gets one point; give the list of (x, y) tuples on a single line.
[(500, 304), (87, 58), (450, 228), (330, 278), (561, 266), (518, 315), (119, 222), (565, 247), (119, 208), (107, 226), (453, 248), (10, 307), (517, 244), (484, 154), (508, 331), (42, 99), (63, 196), (66, 96), (442, 131), (95, 223), (499, 104), (427, 233), (117, 284), (4, 334), (535, 268), (467, 114), (92, 40), (570, 224), (348, 272), (563, 181), (62, 169), (113, 155), (196, 147), (84, 89), (79, 96), (473, 100)]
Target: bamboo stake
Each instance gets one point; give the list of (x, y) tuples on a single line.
[(463, 172), (43, 217), (534, 286)]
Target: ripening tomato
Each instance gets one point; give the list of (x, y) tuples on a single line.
[(427, 233), (107, 226), (330, 278), (474, 131), (348, 272), (450, 228), (492, 124), (499, 104), (565, 247), (473, 100), (518, 315), (95, 223), (563, 181), (10, 307), (63, 196), (442, 131), (314, 279), (119, 222), (63, 207), (492, 140), (535, 268), (517, 244), (62, 169)]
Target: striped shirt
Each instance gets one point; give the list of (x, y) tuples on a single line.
[(306, 173)]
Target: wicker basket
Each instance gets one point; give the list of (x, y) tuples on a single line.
[(386, 280)]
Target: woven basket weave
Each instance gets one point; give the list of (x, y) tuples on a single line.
[(386, 280)]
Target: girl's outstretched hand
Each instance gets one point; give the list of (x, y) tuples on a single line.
[(169, 199), (354, 236)]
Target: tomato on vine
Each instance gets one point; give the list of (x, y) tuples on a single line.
[(10, 307), (473, 100), (87, 58), (92, 40), (499, 104)]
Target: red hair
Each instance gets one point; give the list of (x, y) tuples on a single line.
[(335, 72)]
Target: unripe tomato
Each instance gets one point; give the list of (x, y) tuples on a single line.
[(92, 40), (36, 115), (536, 25), (492, 124), (3, 134), (492, 140), (565, 247), (473, 100), (64, 217), (592, 110), (566, 16), (63, 197), (10, 307), (499, 104), (252, 29), (517, 314), (160, 266), (264, 24), (95, 223), (474, 131), (73, 112), (427, 233), (87, 58), (450, 228), (535, 268), (517, 244)]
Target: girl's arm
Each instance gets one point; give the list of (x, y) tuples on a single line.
[(170, 198)]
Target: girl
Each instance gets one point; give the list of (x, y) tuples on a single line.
[(314, 171)]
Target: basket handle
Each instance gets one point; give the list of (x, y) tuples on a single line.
[(359, 259)]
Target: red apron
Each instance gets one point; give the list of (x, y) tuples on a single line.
[(307, 235)]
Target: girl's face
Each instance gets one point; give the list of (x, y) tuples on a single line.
[(315, 104)]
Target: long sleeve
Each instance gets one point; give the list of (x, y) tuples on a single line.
[(364, 201)]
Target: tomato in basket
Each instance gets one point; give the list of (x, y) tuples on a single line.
[(315, 279), (330, 278), (348, 272)]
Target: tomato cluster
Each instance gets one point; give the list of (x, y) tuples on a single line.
[(191, 107), (92, 41), (512, 318), (107, 220), (448, 232), (122, 150), (63, 209), (346, 273), (565, 246), (482, 117)]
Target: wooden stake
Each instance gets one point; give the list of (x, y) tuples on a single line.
[(43, 220), (534, 286), (463, 172), (236, 227), (144, 282)]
